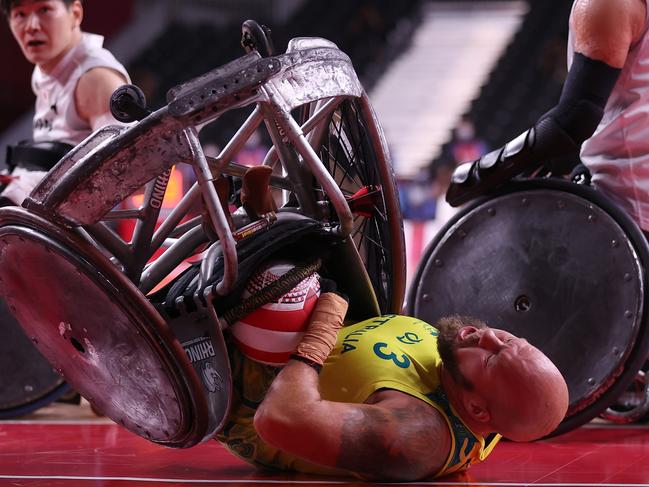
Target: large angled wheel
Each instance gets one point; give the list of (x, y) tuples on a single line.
[(558, 264), (355, 155), (105, 337)]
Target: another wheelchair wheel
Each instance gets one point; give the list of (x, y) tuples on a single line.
[(355, 154), (558, 264), (28, 381), (632, 405)]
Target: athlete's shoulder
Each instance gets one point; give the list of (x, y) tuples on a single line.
[(91, 54), (605, 30)]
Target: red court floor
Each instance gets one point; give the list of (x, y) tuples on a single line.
[(54, 451)]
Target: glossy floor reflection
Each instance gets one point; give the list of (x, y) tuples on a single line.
[(50, 449)]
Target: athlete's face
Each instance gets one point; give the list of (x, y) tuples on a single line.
[(523, 393), (485, 356), (45, 29)]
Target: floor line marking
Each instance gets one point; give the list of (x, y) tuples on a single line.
[(47, 422), (314, 482), (582, 456)]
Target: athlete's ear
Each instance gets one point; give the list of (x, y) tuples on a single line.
[(476, 406), (76, 9)]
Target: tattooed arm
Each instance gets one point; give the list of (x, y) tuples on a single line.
[(393, 436)]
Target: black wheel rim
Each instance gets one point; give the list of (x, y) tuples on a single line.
[(351, 160), (636, 350)]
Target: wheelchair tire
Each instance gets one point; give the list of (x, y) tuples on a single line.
[(356, 156), (28, 381), (558, 264)]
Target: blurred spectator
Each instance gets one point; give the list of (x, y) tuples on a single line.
[(465, 146), (417, 197)]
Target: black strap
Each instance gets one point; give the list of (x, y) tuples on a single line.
[(585, 92), (36, 156), (304, 360)]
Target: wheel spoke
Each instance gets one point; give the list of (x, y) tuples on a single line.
[(346, 174), (349, 155)]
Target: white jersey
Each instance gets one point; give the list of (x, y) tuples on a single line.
[(617, 154), (56, 116)]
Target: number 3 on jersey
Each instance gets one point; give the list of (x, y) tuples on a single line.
[(380, 349)]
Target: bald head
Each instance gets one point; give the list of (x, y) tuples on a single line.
[(531, 399), (502, 383)]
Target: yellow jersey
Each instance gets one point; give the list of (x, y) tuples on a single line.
[(387, 352), (399, 353)]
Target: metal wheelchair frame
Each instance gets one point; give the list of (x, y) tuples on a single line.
[(330, 167), (82, 190)]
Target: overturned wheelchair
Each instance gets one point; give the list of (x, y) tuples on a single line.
[(110, 318)]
